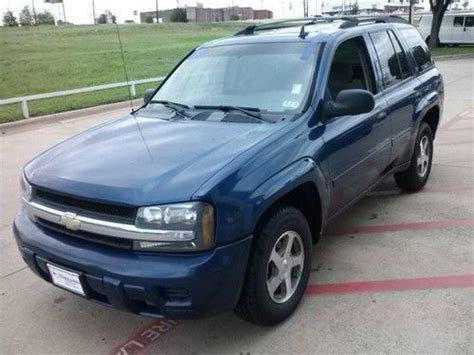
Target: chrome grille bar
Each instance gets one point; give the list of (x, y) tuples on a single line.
[(77, 222)]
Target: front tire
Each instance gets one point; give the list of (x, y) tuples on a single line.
[(418, 173), (278, 269)]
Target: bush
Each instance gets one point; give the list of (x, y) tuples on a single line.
[(45, 18), (178, 15), (148, 19), (26, 18)]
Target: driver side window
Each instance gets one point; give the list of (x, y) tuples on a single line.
[(349, 69)]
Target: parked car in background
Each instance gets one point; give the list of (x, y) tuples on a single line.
[(456, 28), (209, 197)]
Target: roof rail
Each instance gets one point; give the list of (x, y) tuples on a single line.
[(348, 21), (351, 21)]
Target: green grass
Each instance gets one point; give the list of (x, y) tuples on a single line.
[(44, 59), (47, 58), (437, 52)]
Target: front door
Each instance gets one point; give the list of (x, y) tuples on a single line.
[(358, 146)]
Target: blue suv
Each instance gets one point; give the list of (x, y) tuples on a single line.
[(208, 198)]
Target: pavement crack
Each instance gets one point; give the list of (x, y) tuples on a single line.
[(14, 272)]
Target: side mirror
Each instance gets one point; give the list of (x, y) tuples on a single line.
[(148, 94), (349, 102)]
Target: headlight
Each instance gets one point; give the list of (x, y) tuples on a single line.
[(182, 226), (26, 190)]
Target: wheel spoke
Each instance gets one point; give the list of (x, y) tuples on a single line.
[(297, 260), (277, 260), (289, 244), (273, 284), (288, 287)]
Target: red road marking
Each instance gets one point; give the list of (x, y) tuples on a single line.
[(426, 189), (453, 142), (454, 120), (142, 339), (447, 188), (145, 337), (460, 128), (380, 228), (455, 281)]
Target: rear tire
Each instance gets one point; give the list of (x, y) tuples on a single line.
[(418, 173), (278, 268)]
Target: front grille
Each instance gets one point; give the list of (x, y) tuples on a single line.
[(110, 212), (91, 237)]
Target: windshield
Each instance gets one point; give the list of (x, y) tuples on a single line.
[(272, 77)]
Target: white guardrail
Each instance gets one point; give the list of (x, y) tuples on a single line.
[(24, 99)]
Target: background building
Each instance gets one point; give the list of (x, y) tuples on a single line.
[(202, 14), (366, 7)]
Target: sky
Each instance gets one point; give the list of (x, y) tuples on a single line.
[(80, 11)]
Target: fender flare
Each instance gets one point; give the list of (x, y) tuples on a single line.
[(292, 176)]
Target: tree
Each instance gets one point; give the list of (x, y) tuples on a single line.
[(45, 18), (178, 15), (149, 19), (106, 17), (438, 8), (26, 17), (102, 19), (9, 20), (465, 4)]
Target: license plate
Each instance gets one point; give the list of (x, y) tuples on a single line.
[(66, 279)]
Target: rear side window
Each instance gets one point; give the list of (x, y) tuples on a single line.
[(458, 21), (418, 48), (387, 58), (469, 21), (402, 58)]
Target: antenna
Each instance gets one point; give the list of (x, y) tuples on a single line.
[(130, 96)]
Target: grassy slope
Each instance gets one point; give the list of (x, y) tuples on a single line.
[(44, 59)]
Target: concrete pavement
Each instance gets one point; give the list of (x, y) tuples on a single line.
[(394, 274)]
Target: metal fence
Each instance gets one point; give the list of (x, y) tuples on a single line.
[(24, 99)]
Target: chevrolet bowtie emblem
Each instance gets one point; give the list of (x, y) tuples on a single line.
[(70, 221)]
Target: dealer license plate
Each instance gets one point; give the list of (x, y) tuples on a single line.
[(66, 279)]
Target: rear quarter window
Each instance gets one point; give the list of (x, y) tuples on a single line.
[(418, 48)]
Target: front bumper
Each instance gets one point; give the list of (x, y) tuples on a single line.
[(150, 284)]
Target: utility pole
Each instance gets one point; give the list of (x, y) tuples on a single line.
[(64, 12), (157, 13), (93, 11), (34, 11)]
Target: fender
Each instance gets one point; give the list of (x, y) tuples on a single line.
[(432, 99), (294, 175)]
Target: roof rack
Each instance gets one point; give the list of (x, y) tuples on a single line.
[(348, 21)]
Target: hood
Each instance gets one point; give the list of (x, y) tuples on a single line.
[(142, 161)]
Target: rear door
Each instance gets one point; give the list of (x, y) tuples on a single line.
[(457, 31), (358, 146), (468, 32), (399, 89)]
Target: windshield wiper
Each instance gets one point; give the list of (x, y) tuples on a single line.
[(175, 106), (249, 111)]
